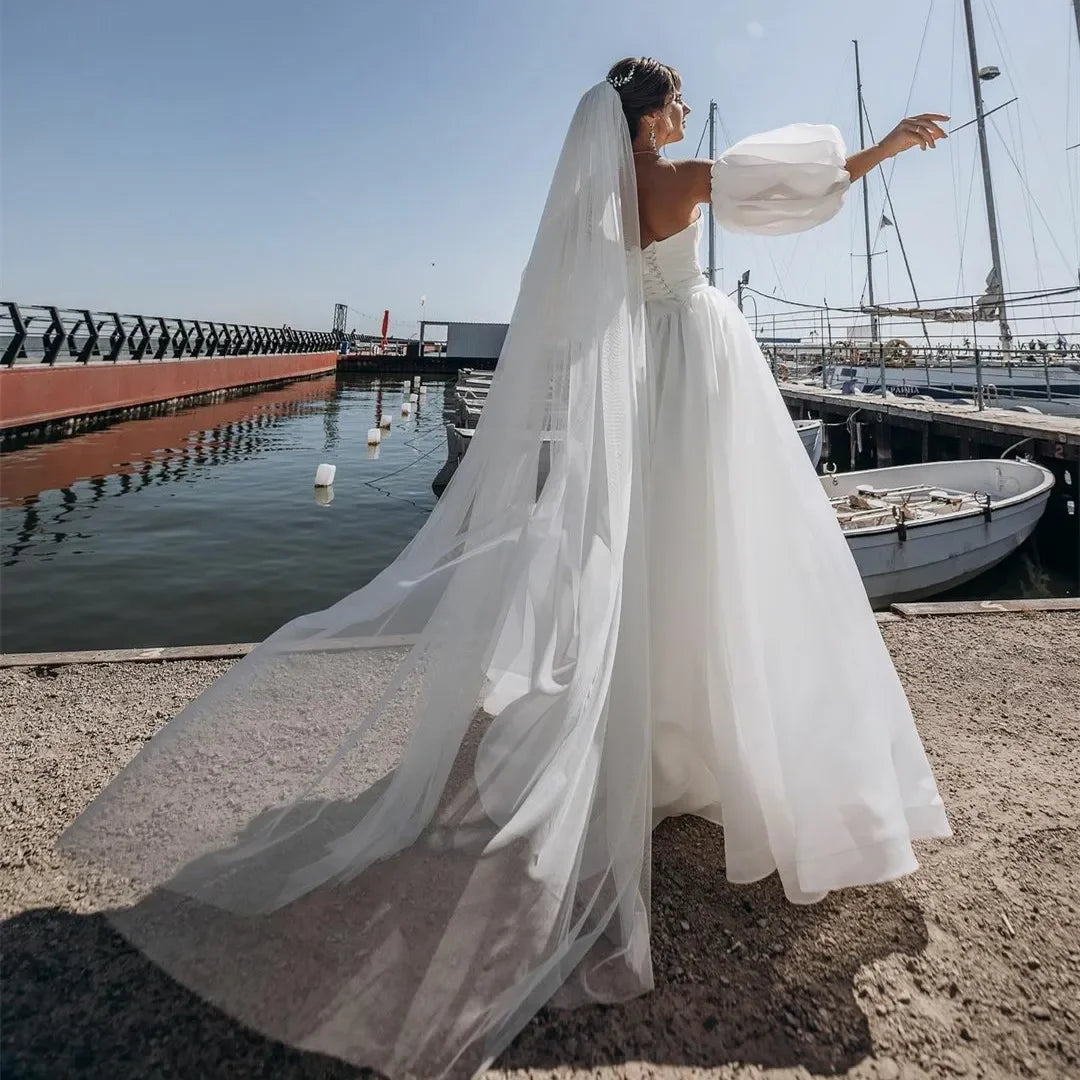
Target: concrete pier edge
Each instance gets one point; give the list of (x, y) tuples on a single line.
[(161, 654)]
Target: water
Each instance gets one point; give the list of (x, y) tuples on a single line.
[(202, 526)]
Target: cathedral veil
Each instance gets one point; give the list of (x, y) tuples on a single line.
[(402, 824)]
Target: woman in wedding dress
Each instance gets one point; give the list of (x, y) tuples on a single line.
[(403, 824)]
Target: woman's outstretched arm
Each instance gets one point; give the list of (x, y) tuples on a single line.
[(922, 130), (695, 177)]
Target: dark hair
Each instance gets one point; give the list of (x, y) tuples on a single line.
[(644, 85)]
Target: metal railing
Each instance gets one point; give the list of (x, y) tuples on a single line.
[(42, 334)]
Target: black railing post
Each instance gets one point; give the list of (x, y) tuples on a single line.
[(181, 341), (138, 348), (18, 338), (200, 338), (53, 338), (164, 339), (116, 338), (90, 347)]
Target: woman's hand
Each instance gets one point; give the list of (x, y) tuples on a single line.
[(921, 130)]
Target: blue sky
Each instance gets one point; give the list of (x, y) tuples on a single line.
[(260, 160)]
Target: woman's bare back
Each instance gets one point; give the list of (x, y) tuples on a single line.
[(668, 195)]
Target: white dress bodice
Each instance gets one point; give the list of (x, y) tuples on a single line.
[(670, 267)]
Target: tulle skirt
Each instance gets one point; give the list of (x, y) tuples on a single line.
[(776, 709)]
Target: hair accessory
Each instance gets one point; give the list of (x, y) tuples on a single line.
[(619, 81)]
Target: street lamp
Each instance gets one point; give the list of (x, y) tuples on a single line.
[(743, 282)]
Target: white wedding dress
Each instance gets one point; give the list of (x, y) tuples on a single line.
[(776, 709), (403, 824)]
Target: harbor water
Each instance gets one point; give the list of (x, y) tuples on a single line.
[(203, 525)]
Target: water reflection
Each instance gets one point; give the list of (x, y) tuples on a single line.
[(159, 448), (131, 455), (189, 527)]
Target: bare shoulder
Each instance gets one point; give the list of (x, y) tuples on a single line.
[(693, 179), (669, 193)]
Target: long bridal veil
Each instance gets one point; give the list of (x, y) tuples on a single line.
[(402, 824)]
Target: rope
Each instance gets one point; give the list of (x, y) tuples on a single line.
[(1034, 202)]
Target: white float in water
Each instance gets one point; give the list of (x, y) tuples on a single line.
[(406, 387), (406, 408), (324, 475), (374, 436), (414, 398), (384, 422), (423, 389)]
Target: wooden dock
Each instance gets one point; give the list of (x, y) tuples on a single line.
[(972, 432)]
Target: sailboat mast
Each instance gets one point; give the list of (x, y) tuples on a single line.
[(1076, 12), (712, 216), (988, 187), (865, 202)]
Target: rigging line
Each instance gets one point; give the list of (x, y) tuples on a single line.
[(896, 226), (1034, 201), (1034, 307), (1013, 78), (1019, 144), (704, 132), (914, 75), (967, 218), (1031, 225), (1014, 298), (907, 106)]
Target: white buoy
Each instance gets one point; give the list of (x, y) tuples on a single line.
[(414, 398), (324, 475), (416, 380), (406, 408), (406, 387), (384, 422), (374, 436), (423, 389)]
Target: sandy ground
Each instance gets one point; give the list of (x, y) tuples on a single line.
[(971, 967)]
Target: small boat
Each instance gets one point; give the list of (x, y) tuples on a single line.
[(458, 440), (811, 432), (917, 530)]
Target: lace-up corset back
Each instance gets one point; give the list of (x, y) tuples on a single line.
[(670, 266)]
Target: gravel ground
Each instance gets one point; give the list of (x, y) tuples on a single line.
[(971, 967)]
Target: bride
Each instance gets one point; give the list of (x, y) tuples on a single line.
[(403, 824)]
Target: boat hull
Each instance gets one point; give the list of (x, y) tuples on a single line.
[(939, 554)]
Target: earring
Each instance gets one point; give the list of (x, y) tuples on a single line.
[(652, 140)]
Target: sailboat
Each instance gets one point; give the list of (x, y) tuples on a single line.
[(1031, 378)]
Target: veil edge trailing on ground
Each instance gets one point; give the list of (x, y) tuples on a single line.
[(430, 804)]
